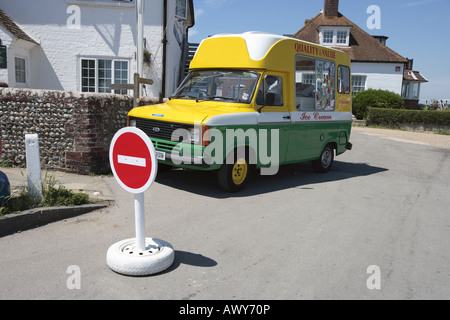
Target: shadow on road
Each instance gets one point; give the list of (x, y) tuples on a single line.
[(191, 259), (291, 176)]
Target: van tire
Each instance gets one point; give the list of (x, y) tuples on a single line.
[(233, 176), (325, 161)]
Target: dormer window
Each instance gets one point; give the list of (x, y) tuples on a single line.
[(328, 36), (334, 36)]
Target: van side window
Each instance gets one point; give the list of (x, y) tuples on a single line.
[(315, 84), (305, 83), (271, 91), (343, 79)]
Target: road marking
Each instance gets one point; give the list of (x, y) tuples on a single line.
[(132, 161)]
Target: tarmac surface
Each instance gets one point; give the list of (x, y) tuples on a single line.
[(297, 235), (98, 189)]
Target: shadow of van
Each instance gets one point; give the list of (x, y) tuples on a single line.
[(290, 176)]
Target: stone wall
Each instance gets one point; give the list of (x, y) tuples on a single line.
[(74, 129)]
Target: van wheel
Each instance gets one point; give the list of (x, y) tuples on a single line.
[(234, 177), (325, 161)]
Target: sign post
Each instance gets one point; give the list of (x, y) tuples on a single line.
[(134, 165)]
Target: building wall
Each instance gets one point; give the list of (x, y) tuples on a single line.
[(74, 129), (6, 38), (107, 29), (380, 75)]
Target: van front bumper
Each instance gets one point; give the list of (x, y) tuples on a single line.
[(188, 160)]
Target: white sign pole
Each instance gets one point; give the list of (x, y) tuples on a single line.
[(139, 208)]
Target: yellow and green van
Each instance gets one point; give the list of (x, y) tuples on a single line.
[(254, 101)]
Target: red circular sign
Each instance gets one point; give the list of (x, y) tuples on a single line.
[(133, 160)]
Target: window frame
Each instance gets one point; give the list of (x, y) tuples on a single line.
[(324, 36), (178, 5), (325, 81), (335, 37), (97, 88), (24, 72), (263, 87), (358, 88)]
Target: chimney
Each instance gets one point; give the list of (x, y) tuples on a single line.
[(331, 8)]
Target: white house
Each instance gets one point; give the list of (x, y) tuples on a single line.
[(374, 64), (87, 45)]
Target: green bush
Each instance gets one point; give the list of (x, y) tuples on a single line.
[(395, 118), (375, 99), (52, 196)]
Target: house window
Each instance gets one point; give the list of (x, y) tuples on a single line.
[(335, 37), (181, 9), (309, 78), (359, 83), (104, 75), (88, 75), (415, 90), (121, 74), (328, 36), (405, 90), (21, 76), (98, 74), (342, 37)]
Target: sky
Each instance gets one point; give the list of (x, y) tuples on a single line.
[(417, 29)]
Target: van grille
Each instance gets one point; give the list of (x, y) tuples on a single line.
[(161, 129)]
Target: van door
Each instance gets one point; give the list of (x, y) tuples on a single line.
[(274, 116)]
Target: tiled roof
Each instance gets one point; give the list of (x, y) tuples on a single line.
[(363, 47), (13, 28), (410, 75)]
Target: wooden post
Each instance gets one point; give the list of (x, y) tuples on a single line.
[(135, 87)]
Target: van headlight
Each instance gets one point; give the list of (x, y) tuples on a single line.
[(133, 123), (194, 135)]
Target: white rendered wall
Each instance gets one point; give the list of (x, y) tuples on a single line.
[(380, 75), (107, 30)]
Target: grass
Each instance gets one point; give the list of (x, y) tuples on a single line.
[(52, 196)]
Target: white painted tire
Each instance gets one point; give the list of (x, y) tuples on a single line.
[(124, 258)]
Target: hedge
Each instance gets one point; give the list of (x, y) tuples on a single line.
[(396, 118), (375, 98)]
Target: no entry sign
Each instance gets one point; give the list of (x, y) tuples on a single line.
[(133, 160)]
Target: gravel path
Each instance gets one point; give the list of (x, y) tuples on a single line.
[(428, 138)]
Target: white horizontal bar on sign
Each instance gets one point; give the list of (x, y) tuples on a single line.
[(132, 161)]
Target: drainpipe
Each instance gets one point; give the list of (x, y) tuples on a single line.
[(164, 62)]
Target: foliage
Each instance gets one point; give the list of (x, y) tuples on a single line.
[(52, 196), (375, 99), (395, 118)]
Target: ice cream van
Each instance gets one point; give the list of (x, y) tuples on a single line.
[(252, 102)]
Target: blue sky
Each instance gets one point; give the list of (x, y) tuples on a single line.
[(417, 29)]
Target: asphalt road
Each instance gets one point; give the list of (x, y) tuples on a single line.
[(297, 235)]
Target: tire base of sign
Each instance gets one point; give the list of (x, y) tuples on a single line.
[(125, 258)]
